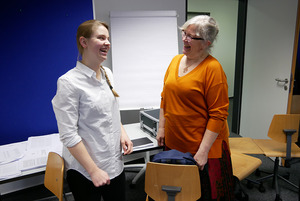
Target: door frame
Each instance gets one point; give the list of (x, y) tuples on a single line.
[(294, 62), (239, 66)]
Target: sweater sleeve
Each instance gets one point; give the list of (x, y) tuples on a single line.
[(216, 97)]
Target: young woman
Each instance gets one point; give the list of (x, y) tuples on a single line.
[(88, 119)]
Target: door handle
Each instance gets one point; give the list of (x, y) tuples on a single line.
[(282, 82)]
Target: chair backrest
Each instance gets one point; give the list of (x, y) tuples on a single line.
[(184, 176), (284, 121), (54, 175)]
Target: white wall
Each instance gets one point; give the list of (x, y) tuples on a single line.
[(226, 13), (102, 9)]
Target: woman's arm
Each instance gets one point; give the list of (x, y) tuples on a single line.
[(202, 154), (98, 176), (161, 128), (126, 142)]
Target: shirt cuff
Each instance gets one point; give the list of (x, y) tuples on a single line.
[(215, 125)]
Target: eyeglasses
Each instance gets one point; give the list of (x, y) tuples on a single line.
[(189, 38)]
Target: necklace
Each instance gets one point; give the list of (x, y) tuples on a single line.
[(185, 69)]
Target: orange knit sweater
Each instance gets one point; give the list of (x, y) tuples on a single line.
[(193, 103)]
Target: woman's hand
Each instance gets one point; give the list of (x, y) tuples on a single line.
[(160, 137), (99, 177), (201, 156), (201, 159), (127, 145)]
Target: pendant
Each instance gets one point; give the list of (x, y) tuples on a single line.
[(185, 69)]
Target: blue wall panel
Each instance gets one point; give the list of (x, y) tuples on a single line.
[(38, 45)]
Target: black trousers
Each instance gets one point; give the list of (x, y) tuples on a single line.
[(83, 189)]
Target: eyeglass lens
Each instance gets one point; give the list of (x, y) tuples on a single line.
[(188, 37)]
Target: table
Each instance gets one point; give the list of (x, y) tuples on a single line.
[(134, 131), (35, 176)]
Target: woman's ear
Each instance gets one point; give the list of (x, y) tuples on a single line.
[(208, 43), (83, 41)]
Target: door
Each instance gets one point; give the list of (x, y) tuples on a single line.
[(269, 45)]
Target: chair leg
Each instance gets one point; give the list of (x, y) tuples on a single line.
[(240, 194), (275, 179), (65, 197)]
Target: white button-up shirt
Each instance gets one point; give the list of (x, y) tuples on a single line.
[(86, 110)]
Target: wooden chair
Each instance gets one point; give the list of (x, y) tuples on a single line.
[(167, 181), (284, 132), (242, 166), (54, 175)]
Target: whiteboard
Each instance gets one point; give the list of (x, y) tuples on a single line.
[(143, 45)]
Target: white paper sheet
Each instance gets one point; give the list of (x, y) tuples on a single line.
[(12, 152), (9, 170)]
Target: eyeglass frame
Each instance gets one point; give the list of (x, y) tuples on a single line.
[(188, 37)]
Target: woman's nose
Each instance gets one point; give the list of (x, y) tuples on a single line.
[(106, 42)]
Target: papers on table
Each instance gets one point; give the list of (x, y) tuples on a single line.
[(9, 156), (38, 149), (9, 170), (12, 152), (30, 154)]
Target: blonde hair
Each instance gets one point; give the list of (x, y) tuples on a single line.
[(109, 84)]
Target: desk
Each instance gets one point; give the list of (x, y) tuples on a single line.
[(134, 131), (25, 170), (35, 176)]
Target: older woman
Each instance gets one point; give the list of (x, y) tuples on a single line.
[(194, 105), (88, 119)]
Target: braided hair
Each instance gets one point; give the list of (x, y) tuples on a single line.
[(109, 84)]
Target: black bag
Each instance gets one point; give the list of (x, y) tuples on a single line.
[(174, 157)]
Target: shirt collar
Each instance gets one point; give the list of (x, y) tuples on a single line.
[(84, 69)]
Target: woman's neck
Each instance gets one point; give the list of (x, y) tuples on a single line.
[(94, 66), (197, 59)]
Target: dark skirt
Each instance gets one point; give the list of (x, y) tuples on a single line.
[(217, 181)]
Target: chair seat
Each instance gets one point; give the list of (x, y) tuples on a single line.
[(243, 165)]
